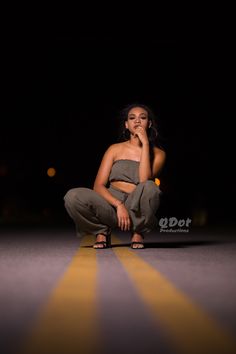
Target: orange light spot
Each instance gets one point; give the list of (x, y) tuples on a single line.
[(51, 172), (157, 181)]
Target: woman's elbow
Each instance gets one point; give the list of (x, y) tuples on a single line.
[(97, 187), (145, 179)]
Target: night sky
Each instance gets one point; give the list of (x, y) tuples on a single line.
[(62, 95)]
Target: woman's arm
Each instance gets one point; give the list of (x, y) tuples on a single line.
[(146, 169), (103, 176), (100, 187)]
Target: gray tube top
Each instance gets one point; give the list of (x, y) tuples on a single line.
[(125, 170)]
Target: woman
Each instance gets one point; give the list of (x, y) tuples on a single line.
[(124, 194)]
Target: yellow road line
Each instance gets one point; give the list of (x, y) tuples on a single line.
[(190, 329), (68, 323)]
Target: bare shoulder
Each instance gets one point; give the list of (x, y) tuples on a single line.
[(113, 150)]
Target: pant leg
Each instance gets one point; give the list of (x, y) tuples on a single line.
[(143, 204), (90, 211)]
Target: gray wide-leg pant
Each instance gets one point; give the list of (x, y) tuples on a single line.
[(93, 214)]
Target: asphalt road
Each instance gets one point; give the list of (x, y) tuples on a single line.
[(59, 295)]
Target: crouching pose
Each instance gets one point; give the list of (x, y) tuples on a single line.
[(124, 194)]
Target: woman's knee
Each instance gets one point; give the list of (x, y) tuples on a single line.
[(75, 195)]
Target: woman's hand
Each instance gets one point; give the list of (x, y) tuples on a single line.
[(123, 217), (141, 133)]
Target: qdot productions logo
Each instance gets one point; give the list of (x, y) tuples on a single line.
[(172, 224)]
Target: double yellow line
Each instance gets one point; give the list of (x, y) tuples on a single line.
[(189, 328), (69, 322)]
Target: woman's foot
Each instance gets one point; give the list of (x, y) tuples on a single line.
[(137, 241), (102, 241)]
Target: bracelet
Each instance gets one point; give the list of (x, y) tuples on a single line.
[(120, 202)]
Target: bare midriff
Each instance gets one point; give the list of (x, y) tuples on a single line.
[(124, 186)]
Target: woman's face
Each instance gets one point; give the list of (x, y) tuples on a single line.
[(137, 116)]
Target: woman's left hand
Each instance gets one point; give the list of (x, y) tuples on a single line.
[(123, 217)]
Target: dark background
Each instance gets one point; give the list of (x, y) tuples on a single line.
[(62, 94)]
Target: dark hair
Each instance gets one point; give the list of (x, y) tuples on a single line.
[(152, 132)]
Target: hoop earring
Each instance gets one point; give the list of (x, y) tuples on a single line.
[(155, 132), (126, 133)]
